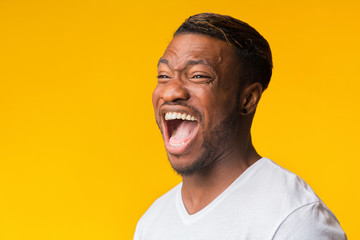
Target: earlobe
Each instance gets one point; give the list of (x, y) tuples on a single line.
[(244, 111), (250, 98)]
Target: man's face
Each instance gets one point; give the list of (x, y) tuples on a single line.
[(196, 100)]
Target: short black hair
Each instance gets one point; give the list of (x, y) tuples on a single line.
[(252, 49)]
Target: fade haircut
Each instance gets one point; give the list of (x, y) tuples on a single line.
[(251, 48)]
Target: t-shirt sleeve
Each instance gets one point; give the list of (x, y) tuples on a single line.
[(312, 221)]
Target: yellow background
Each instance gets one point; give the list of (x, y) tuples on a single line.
[(80, 154)]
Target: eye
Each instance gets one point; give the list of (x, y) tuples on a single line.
[(161, 76), (201, 78)]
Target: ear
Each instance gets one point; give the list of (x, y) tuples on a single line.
[(250, 97)]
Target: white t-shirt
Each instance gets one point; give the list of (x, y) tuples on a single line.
[(265, 202)]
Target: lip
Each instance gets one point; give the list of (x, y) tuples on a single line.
[(186, 146)]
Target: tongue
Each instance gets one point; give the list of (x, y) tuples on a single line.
[(183, 132)]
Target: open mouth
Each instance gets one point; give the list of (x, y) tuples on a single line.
[(180, 129)]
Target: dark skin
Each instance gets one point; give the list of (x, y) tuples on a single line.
[(199, 75)]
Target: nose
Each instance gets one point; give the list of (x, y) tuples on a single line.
[(174, 90)]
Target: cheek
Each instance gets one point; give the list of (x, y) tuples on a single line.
[(156, 97), (217, 106), (208, 103), (156, 101)]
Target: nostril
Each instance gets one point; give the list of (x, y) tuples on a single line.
[(175, 93)]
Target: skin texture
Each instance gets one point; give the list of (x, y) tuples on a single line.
[(201, 76)]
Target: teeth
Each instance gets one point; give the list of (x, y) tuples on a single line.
[(176, 115)]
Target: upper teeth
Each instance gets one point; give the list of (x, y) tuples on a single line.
[(176, 115)]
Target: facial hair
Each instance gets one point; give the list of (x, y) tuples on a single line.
[(217, 138)]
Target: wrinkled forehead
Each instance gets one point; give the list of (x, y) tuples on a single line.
[(187, 47)]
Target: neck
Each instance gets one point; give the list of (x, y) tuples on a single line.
[(202, 187)]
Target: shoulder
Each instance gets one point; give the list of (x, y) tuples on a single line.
[(303, 215), (280, 184), (312, 221), (274, 191), (160, 203), (158, 206)]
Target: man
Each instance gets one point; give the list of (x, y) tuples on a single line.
[(210, 80)]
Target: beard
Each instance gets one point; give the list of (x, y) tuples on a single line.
[(215, 140)]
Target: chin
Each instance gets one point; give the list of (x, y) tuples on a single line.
[(186, 165)]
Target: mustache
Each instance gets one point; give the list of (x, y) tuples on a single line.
[(180, 103)]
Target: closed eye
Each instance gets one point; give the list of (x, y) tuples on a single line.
[(200, 78), (163, 76)]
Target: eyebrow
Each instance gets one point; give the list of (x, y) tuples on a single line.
[(163, 60), (188, 63)]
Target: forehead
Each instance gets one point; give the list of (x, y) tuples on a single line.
[(185, 47)]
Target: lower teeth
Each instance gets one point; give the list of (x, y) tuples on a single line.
[(177, 144)]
